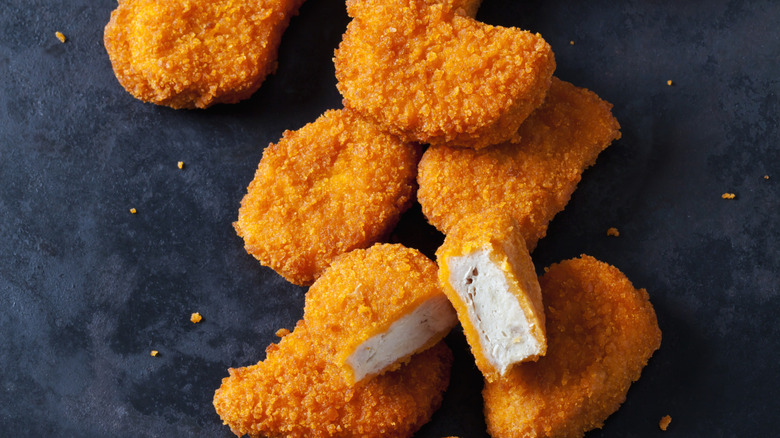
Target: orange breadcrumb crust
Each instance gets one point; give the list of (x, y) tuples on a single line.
[(664, 423), (428, 74), (532, 180), (613, 232), (195, 53), (298, 392), (498, 234), (600, 333), (196, 318), (364, 292), (728, 196), (335, 185), (466, 8), (60, 36)]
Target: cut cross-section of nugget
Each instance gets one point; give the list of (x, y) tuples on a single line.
[(377, 307), (297, 392), (531, 180), (195, 53), (488, 275), (601, 331), (335, 185), (424, 71)]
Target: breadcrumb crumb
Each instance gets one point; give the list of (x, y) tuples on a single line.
[(664, 423), (728, 196), (180, 164), (766, 176), (60, 36), (196, 318), (154, 353), (612, 231), (133, 211), (669, 82), (282, 332), (571, 43)]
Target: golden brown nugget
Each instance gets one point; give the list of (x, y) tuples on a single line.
[(600, 333), (377, 307), (429, 74), (195, 53), (486, 272), (532, 180), (335, 185), (298, 392)]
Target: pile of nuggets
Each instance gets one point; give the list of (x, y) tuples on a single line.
[(507, 145)]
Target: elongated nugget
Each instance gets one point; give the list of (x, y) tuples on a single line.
[(488, 275), (428, 74), (600, 333), (297, 392), (377, 307), (532, 180), (195, 53), (332, 186)]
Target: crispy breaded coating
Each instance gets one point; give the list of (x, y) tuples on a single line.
[(486, 272), (600, 333), (467, 8), (377, 307), (332, 186), (195, 53), (531, 180), (423, 71), (298, 392)]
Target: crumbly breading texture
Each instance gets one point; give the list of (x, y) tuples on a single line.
[(500, 235), (600, 333), (428, 74), (298, 392), (531, 180), (335, 185), (195, 53), (369, 290), (467, 8)]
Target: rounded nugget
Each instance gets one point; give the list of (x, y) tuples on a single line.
[(195, 53), (298, 392), (600, 333), (335, 185), (426, 73), (532, 180), (377, 307)]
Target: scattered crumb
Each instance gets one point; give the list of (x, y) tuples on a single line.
[(196, 318), (60, 36), (766, 176), (571, 43), (664, 423), (282, 332), (180, 164), (133, 211), (669, 82), (728, 196), (612, 231), (154, 353)]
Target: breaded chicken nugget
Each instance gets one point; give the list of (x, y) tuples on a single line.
[(195, 53), (298, 392), (531, 180), (377, 307), (428, 74), (600, 333), (488, 275), (332, 186)]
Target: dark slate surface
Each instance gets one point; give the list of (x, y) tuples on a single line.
[(87, 289)]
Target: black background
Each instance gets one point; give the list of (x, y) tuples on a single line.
[(87, 289)]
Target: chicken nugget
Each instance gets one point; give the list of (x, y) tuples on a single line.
[(195, 53), (299, 392), (377, 307), (601, 331), (335, 185), (488, 275), (531, 180), (425, 72)]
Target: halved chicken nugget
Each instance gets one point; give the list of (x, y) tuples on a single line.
[(531, 180), (195, 53), (299, 392), (488, 275), (426, 73), (601, 331), (332, 186), (377, 307)]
